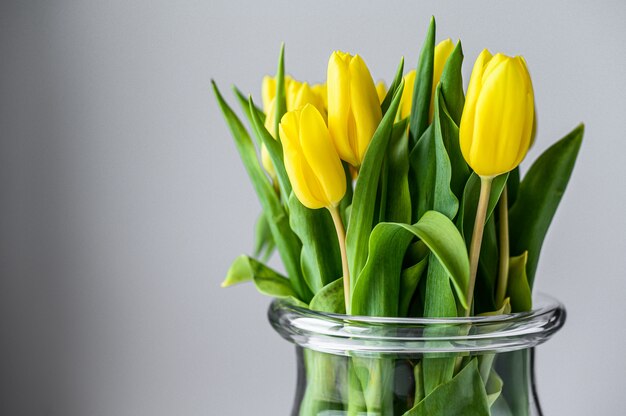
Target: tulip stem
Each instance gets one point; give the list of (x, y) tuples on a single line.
[(341, 236), (477, 236), (503, 272)]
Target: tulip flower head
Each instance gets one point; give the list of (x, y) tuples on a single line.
[(311, 161), (497, 121), (353, 106)]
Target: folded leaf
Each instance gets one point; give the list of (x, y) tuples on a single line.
[(452, 84), (267, 281), (263, 241), (518, 289), (376, 292), (538, 198), (409, 279), (463, 395), (396, 203), (392, 88), (330, 298)]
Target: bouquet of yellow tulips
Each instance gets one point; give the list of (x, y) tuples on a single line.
[(400, 202)]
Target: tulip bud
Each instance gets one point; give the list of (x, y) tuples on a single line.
[(381, 90), (353, 107), (497, 121), (406, 101), (311, 161)]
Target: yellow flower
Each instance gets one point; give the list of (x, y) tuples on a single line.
[(297, 94), (353, 107), (497, 121), (442, 52), (311, 161), (381, 90), (320, 90), (406, 101)]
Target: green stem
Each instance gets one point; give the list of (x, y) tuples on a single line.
[(503, 272), (477, 236), (341, 236)]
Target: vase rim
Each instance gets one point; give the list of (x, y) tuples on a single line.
[(367, 335)]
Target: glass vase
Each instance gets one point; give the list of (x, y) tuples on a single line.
[(353, 365)]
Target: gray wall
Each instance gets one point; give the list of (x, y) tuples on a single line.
[(122, 199)]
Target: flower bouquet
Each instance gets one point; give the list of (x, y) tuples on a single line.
[(409, 237)]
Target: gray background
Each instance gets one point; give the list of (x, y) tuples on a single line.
[(122, 198)]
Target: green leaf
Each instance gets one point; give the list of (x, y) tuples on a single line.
[(452, 84), (287, 242), (396, 205), (422, 90), (493, 387), (518, 289), (539, 195), (392, 88), (330, 298), (433, 172), (460, 171), (377, 290), (245, 106), (364, 199), (512, 185), (281, 102), (320, 258), (263, 241), (274, 149), (267, 281), (463, 395), (409, 279), (514, 369)]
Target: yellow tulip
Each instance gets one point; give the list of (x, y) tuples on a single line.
[(406, 101), (381, 90), (442, 52), (320, 90), (297, 94), (311, 161), (353, 107), (497, 121)]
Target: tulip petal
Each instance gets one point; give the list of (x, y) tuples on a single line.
[(364, 104), (321, 156), (338, 96)]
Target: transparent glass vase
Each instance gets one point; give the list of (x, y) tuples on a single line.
[(354, 365)]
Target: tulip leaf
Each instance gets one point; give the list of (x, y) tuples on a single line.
[(267, 281), (452, 84), (512, 186), (392, 88), (245, 106), (320, 259), (514, 370), (263, 241), (281, 102), (409, 279), (539, 195), (274, 149), (518, 289), (432, 173), (287, 242), (463, 395), (422, 90), (396, 199), (493, 387), (330, 299), (460, 171), (376, 292), (364, 199)]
